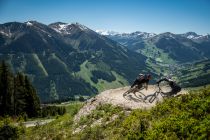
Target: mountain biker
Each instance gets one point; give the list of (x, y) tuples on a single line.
[(142, 79), (175, 88)]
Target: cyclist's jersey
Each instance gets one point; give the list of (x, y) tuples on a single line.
[(175, 88)]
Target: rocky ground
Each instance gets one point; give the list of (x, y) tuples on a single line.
[(118, 98)]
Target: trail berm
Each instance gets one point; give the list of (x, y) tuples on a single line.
[(128, 102)]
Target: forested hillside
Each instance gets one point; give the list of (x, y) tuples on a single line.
[(63, 60), (195, 74), (66, 60)]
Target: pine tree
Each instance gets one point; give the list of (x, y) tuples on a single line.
[(1, 93), (19, 95), (6, 90), (32, 100)]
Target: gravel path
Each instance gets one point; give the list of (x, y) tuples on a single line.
[(37, 122)]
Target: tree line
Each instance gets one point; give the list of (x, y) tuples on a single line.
[(18, 96)]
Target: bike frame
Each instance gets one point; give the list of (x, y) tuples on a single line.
[(154, 96)]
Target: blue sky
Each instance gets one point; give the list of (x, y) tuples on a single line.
[(177, 16)]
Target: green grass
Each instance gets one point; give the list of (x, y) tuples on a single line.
[(156, 68), (156, 54), (104, 112), (184, 117), (157, 60), (195, 74), (39, 63), (119, 82), (197, 88), (101, 85), (61, 128)]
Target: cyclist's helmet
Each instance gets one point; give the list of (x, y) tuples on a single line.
[(140, 74), (170, 80)]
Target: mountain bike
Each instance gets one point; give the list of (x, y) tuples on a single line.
[(135, 90), (163, 89)]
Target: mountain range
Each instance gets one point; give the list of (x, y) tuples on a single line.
[(175, 45), (64, 60)]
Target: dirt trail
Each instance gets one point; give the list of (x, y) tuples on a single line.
[(128, 102), (37, 122)]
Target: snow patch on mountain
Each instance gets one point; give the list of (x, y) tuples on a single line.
[(194, 37), (66, 28), (6, 33), (190, 36), (106, 32), (29, 23), (82, 27), (137, 34), (63, 28), (3, 33)]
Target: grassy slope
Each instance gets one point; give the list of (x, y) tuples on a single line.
[(157, 61), (39, 64), (195, 74), (85, 73), (151, 51), (185, 117), (58, 129)]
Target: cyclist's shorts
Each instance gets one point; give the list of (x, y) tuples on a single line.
[(139, 86)]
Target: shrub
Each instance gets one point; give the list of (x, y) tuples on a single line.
[(9, 131), (81, 99)]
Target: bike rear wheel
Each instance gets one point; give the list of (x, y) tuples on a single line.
[(165, 87), (128, 91), (133, 89), (153, 97)]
